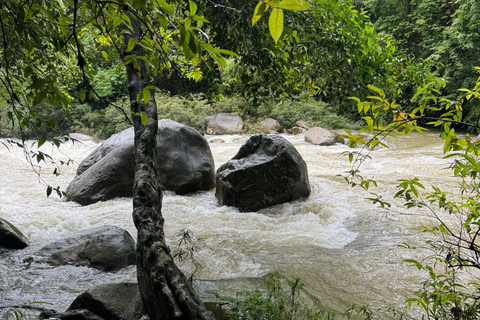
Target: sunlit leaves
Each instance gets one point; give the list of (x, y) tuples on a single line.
[(259, 11), (275, 23)]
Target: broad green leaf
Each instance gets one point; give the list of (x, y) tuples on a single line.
[(275, 24), (146, 95), (231, 53), (193, 8), (105, 55), (41, 141), (82, 95), (294, 5), (165, 7), (144, 118), (131, 44), (375, 89), (259, 11)]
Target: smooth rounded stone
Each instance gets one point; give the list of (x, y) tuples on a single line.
[(225, 123), (270, 125), (267, 170), (302, 124), (322, 137), (113, 301), (11, 237), (107, 248), (184, 158)]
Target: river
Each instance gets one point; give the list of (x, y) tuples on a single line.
[(345, 249)]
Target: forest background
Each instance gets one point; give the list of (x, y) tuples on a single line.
[(324, 56)]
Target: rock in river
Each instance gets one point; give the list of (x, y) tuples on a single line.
[(184, 158), (114, 301), (267, 170), (107, 248), (11, 237)]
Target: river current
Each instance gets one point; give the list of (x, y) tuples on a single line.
[(345, 249)]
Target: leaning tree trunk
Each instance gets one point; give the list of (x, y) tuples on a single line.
[(165, 291)]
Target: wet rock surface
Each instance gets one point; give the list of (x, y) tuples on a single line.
[(184, 158), (267, 170)]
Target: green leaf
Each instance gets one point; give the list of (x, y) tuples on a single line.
[(105, 55), (259, 11), (131, 44), (294, 5), (193, 8), (417, 264), (146, 95), (275, 24), (165, 7), (144, 118), (375, 89), (138, 4), (231, 53), (49, 191), (82, 95), (41, 141)]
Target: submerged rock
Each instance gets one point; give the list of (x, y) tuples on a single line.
[(184, 158), (322, 137), (225, 123), (11, 237), (107, 248), (114, 301), (267, 170)]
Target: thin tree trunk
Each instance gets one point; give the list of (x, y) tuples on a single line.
[(165, 291)]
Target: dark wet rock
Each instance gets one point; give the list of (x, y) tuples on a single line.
[(270, 125), (11, 237), (107, 248), (322, 137), (267, 170), (184, 158), (225, 123), (70, 315), (115, 301)]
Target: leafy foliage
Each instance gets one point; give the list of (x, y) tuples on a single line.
[(442, 296), (446, 32)]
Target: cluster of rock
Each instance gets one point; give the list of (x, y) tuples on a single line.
[(106, 248), (267, 170)]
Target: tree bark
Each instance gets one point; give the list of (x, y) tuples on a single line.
[(165, 291)]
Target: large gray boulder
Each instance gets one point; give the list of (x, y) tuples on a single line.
[(115, 301), (184, 158), (267, 170), (322, 137), (11, 237), (107, 248), (225, 123)]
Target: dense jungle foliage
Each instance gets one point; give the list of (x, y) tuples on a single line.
[(324, 56)]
